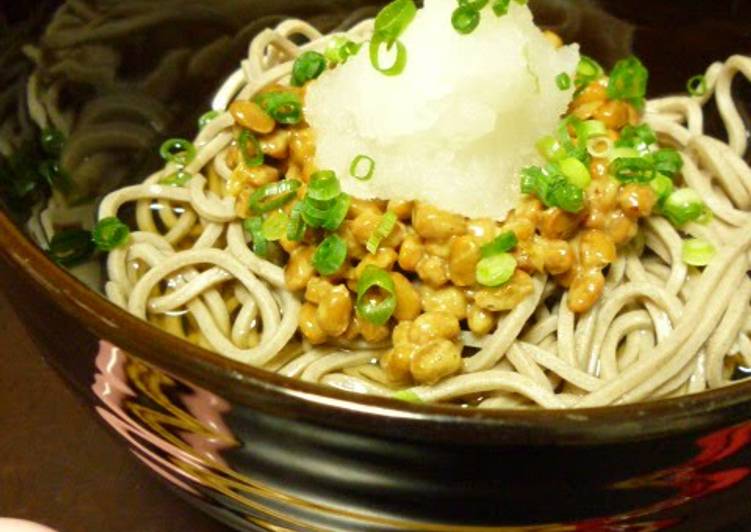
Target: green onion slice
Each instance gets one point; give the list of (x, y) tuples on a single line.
[(53, 142), (284, 107), (400, 61), (563, 81), (330, 255), (667, 161), (587, 71), (275, 226), (256, 158), (359, 173), (633, 170), (502, 244), (254, 227), (178, 179), (324, 186), (296, 227), (697, 86), (474, 4), (698, 252), (207, 118), (500, 7), (394, 19), (663, 188), (639, 137), (550, 148), (683, 206), (628, 81), (273, 196), (109, 234), (576, 172), (337, 213), (408, 396), (178, 151), (307, 67), (339, 49), (376, 308), (382, 232), (496, 270), (71, 247), (600, 147), (465, 19)]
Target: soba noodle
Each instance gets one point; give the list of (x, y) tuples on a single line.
[(661, 330)]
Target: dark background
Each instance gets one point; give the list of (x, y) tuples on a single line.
[(60, 467)]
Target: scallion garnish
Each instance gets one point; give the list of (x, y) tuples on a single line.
[(576, 172), (178, 151), (600, 147), (178, 179), (408, 396), (639, 137), (550, 148), (697, 86), (667, 161), (587, 71), (390, 23), (296, 227), (109, 234), (376, 308), (256, 158), (273, 196), (324, 186), (496, 270), (254, 227), (500, 7), (588, 129), (284, 107), (628, 81), (207, 118), (339, 49), (465, 19), (330, 255), (552, 188), (502, 244), (71, 247), (337, 212), (663, 187), (357, 171), (563, 81), (474, 4), (633, 170), (382, 232), (307, 67), (275, 226), (683, 206), (698, 252)]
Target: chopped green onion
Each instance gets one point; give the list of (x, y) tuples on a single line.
[(550, 149), (624, 153), (313, 215), (178, 151), (296, 227), (207, 118), (563, 81), (587, 71), (589, 129), (394, 19), (330, 255), (337, 213), (254, 227), (697, 86), (400, 61), (639, 137), (698, 252), (628, 81), (408, 396), (178, 179), (71, 247), (500, 7), (465, 19), (667, 161), (474, 4), (339, 49), (284, 107), (382, 232), (257, 158), (600, 147), (567, 142), (576, 172), (568, 197), (307, 67), (376, 310), (496, 270), (552, 188), (273, 196), (369, 169), (53, 142), (683, 206), (275, 226), (502, 244), (663, 188), (109, 234), (324, 186), (633, 170)]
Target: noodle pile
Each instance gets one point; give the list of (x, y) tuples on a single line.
[(661, 330)]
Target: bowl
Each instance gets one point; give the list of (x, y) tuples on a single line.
[(262, 452)]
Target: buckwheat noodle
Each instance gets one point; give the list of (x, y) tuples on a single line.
[(661, 330)]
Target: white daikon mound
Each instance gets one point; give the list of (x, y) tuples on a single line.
[(457, 126)]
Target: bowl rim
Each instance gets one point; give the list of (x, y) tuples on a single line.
[(283, 396)]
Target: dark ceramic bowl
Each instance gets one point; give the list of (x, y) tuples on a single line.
[(263, 452)]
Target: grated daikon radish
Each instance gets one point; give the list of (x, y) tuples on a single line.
[(457, 126)]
